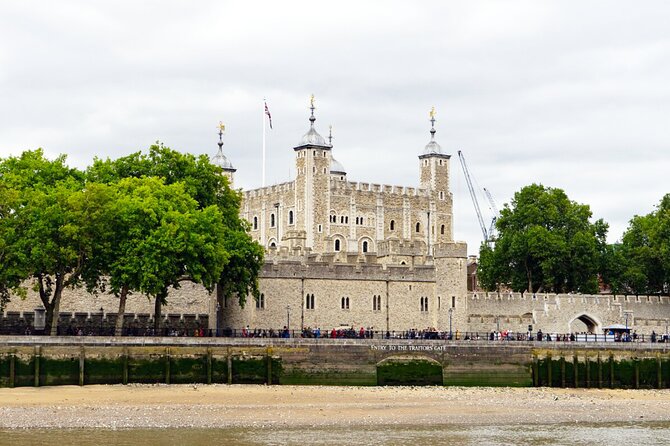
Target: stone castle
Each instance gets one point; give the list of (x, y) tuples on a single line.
[(343, 253)]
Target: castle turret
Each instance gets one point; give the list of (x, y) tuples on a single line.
[(434, 168), (312, 186), (220, 159)]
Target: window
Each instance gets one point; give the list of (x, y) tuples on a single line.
[(260, 302), (439, 302), (290, 217), (255, 223), (272, 220), (342, 219), (453, 301), (346, 219), (392, 225), (319, 228), (441, 195), (418, 227), (424, 304), (309, 302), (365, 246), (345, 303), (337, 245), (442, 230), (376, 303), (314, 153)]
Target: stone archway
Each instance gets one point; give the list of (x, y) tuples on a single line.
[(409, 371), (584, 323)]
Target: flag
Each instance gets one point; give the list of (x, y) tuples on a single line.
[(267, 112)]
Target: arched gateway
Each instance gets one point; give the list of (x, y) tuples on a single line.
[(584, 323)]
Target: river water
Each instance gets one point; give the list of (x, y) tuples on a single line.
[(551, 434)]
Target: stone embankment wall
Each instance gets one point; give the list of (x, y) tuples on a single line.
[(36, 361)]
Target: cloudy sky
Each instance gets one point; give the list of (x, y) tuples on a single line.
[(570, 94)]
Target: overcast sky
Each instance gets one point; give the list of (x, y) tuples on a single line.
[(570, 94)]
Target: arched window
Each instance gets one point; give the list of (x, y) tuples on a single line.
[(273, 244), (392, 225), (290, 217), (365, 246), (272, 220), (255, 223), (442, 230), (345, 303), (309, 301), (337, 245), (260, 302), (418, 227), (376, 303)]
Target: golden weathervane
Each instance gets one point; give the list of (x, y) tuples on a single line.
[(222, 128), (432, 113)]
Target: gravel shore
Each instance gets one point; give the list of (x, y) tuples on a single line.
[(201, 406)]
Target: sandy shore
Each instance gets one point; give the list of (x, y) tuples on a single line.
[(136, 406)]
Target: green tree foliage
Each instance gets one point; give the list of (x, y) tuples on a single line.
[(204, 182), (157, 237), (645, 252), (42, 229), (545, 243)]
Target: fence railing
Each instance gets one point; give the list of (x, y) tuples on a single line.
[(418, 335)]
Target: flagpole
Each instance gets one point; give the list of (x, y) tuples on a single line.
[(263, 157)]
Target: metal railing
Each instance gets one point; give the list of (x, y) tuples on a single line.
[(418, 335)]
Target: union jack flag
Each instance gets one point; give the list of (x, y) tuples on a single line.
[(267, 112)]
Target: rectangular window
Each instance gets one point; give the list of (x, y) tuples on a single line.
[(453, 301)]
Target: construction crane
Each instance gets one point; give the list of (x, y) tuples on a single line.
[(494, 210), (473, 195)]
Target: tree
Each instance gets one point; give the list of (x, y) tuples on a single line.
[(545, 243), (204, 182), (646, 250), (156, 237), (42, 236)]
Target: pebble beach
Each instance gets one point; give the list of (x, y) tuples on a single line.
[(220, 406)]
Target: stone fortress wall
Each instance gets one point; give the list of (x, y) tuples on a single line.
[(400, 289)]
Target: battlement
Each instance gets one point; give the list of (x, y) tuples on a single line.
[(570, 298), (285, 269), (269, 190), (344, 185)]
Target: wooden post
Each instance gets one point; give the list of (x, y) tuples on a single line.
[(167, 365), (268, 358), (637, 373), (575, 370), (549, 383), (535, 370), (562, 371), (12, 369), (611, 371), (600, 371), (229, 360), (36, 360), (588, 371), (209, 366), (82, 359), (659, 371), (125, 366)]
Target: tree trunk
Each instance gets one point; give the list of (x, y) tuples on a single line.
[(157, 315), (219, 307), (55, 309), (118, 330)]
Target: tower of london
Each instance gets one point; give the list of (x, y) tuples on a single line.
[(341, 252)]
